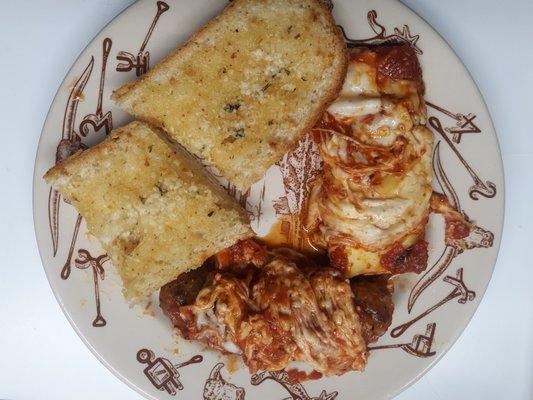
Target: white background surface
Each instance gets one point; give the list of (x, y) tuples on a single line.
[(41, 356)]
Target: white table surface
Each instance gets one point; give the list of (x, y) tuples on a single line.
[(40, 354)]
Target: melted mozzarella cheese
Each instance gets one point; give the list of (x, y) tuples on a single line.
[(353, 106), (287, 314), (378, 181), (360, 81)]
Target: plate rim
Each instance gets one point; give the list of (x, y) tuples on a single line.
[(393, 393), (55, 291), (497, 243)]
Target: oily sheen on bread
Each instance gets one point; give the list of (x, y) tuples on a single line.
[(245, 87), (154, 212)]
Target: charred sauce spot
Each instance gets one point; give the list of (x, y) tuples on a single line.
[(243, 253), (365, 56), (413, 259), (295, 375), (398, 63), (339, 258), (457, 230), (374, 305)]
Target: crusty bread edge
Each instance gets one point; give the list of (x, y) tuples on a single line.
[(119, 94), (198, 169), (77, 159), (60, 169)]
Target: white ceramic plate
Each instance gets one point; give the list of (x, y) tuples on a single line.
[(138, 344)]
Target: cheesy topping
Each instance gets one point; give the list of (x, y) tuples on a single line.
[(277, 312), (375, 189)]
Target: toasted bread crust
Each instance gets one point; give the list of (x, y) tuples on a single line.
[(152, 210), (265, 144)]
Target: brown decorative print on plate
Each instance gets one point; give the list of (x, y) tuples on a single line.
[(161, 372), (296, 390), (217, 388), (460, 291), (141, 62), (84, 261), (419, 346), (381, 37)]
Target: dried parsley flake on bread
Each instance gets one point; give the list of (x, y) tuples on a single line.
[(245, 87), (154, 213)]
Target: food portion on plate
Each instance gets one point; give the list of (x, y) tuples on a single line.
[(238, 95), (154, 211), (368, 209), (246, 86), (276, 306), (370, 205)]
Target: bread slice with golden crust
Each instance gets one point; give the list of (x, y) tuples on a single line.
[(245, 87), (154, 212)]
